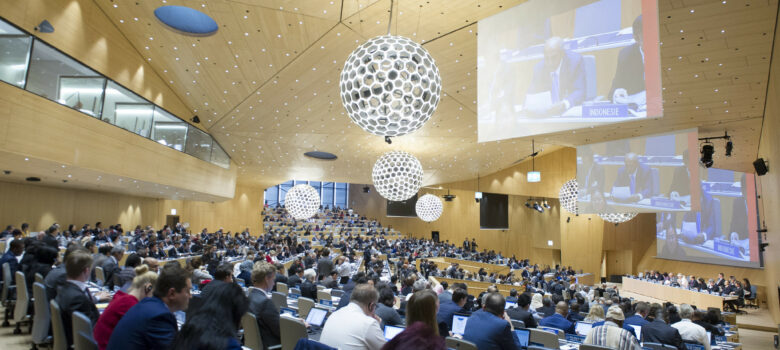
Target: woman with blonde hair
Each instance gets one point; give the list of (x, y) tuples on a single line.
[(141, 287), (596, 314)]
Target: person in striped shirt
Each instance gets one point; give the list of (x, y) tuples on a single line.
[(612, 334)]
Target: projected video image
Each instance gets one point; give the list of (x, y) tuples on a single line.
[(546, 66), (723, 231), (641, 175)]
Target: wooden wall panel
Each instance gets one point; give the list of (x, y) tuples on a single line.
[(35, 127), (83, 31), (41, 206)]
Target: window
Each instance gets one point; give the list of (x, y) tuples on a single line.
[(14, 54), (60, 78), (169, 130), (127, 110), (283, 188), (272, 196), (341, 194), (198, 143), (332, 194), (219, 156)]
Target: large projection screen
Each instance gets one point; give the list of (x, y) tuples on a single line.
[(547, 66), (723, 232), (646, 174)]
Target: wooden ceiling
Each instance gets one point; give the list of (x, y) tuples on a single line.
[(266, 84)]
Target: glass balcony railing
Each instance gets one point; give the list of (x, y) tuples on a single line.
[(30, 64)]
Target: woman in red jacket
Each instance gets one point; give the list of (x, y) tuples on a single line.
[(142, 287)]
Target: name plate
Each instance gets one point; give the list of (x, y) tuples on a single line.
[(603, 110), (665, 203), (575, 338), (727, 248)]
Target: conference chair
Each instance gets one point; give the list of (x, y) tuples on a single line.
[(323, 295), (84, 341), (252, 338), (547, 339), (42, 316), (304, 306), (279, 299), (8, 290), (81, 324), (658, 346), (281, 287), (306, 344), (594, 347), (295, 290), (752, 297), (319, 287), (459, 344), (100, 276), (60, 342), (518, 324), (291, 329), (38, 277), (22, 303)]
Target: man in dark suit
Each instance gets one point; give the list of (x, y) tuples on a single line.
[(657, 331), (50, 238), (173, 253), (488, 328), (15, 250), (558, 319), (521, 312), (280, 277), (630, 73), (637, 319), (151, 324), (547, 309), (562, 73), (449, 308), (74, 295), (296, 279), (111, 266), (721, 281), (324, 265), (261, 305), (637, 177)]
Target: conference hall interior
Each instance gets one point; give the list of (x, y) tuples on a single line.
[(389, 174)]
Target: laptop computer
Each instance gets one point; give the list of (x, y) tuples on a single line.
[(510, 305), (459, 323), (522, 336), (583, 328), (316, 317), (637, 330), (392, 331)]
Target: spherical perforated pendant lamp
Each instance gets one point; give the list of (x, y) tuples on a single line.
[(429, 208), (617, 218), (302, 201), (568, 196), (397, 175), (390, 86)]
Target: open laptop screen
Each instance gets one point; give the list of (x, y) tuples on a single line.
[(459, 324), (392, 331), (316, 317)]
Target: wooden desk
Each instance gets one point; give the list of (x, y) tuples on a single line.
[(673, 294)]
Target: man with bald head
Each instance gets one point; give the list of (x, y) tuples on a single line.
[(558, 319), (562, 73), (635, 179)]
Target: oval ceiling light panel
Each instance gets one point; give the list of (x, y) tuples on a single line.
[(321, 155), (186, 20)]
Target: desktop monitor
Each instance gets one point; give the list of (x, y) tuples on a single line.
[(392, 331), (583, 328), (459, 323), (316, 316), (521, 338)]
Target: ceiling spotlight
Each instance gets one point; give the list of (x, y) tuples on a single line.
[(388, 140), (195, 119), (45, 27), (707, 150), (448, 197), (538, 207), (477, 196), (366, 189), (527, 203), (729, 148), (546, 205)]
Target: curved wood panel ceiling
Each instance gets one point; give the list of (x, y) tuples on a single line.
[(266, 84)]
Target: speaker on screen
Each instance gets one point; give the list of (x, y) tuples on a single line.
[(494, 211)]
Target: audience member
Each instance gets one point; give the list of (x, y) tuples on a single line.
[(558, 319), (261, 305), (596, 314), (216, 323), (658, 331), (421, 328), (74, 295), (151, 324), (522, 311), (490, 328), (689, 331), (611, 333), (308, 287), (384, 308), (448, 309), (141, 287), (356, 326)]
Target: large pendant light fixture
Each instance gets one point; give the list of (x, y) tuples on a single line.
[(390, 85), (397, 175), (617, 218), (568, 196), (302, 201), (429, 208)]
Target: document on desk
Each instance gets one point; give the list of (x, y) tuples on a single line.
[(538, 102), (621, 192)]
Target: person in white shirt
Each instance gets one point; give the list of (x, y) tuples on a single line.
[(690, 331), (355, 327)]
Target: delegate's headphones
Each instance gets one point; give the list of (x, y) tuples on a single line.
[(148, 288)]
